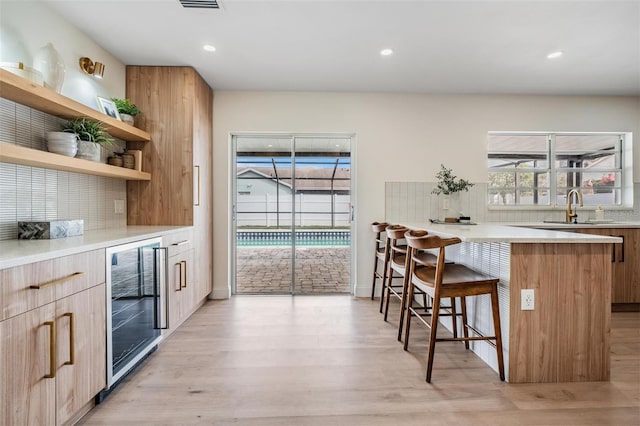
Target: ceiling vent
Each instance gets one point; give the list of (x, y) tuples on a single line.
[(200, 4)]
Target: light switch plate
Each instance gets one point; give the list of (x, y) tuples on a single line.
[(118, 206)]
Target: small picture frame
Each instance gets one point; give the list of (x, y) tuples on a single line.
[(108, 107)]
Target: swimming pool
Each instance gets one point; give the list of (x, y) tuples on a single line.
[(303, 238)]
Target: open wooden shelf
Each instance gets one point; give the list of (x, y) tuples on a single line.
[(25, 92), (10, 153)]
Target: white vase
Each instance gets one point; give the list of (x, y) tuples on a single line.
[(454, 205), (450, 205), (48, 61), (88, 151)]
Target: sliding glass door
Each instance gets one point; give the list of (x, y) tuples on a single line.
[(292, 214)]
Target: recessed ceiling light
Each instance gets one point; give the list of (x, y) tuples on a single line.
[(209, 48), (386, 52), (269, 146), (337, 146), (554, 55)]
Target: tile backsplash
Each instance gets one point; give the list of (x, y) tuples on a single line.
[(413, 202), (32, 193)]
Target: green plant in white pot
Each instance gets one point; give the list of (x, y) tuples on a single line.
[(448, 188), (126, 109), (91, 137)]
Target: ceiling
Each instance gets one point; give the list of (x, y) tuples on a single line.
[(452, 46)]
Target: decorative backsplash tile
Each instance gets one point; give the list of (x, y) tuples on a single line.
[(36, 194), (413, 202)]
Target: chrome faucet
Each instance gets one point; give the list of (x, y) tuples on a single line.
[(570, 214)]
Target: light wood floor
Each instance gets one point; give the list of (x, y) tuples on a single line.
[(331, 360)]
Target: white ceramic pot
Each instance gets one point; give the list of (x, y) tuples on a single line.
[(63, 143), (88, 151), (127, 118)]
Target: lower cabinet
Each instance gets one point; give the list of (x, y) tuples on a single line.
[(625, 284), (182, 295), (187, 289), (53, 359)]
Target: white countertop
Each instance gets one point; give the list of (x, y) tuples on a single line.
[(494, 233), (20, 252), (556, 225)]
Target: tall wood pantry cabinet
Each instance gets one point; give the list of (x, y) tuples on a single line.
[(177, 110)]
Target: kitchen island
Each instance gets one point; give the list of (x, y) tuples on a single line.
[(566, 337)]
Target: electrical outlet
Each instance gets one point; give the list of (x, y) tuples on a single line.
[(118, 206), (527, 299)]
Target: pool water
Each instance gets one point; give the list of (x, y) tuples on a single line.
[(303, 238)]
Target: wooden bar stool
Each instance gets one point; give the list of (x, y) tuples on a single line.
[(453, 281), (398, 263), (379, 256)]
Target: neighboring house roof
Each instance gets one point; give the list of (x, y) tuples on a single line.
[(307, 178), (262, 175)]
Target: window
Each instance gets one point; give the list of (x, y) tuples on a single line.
[(531, 169)]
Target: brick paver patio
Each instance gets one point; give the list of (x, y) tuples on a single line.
[(268, 270)]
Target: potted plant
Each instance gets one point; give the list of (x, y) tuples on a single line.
[(91, 136), (448, 188), (126, 109)]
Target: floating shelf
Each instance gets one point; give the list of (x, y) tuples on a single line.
[(25, 92), (10, 153)]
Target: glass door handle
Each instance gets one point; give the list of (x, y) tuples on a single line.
[(160, 282)]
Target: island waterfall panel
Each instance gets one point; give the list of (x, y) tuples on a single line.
[(566, 338)]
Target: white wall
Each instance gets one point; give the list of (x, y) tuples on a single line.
[(28, 25), (399, 138)]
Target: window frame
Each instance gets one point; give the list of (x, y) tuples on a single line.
[(625, 170)]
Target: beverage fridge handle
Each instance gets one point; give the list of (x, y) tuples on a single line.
[(161, 281)]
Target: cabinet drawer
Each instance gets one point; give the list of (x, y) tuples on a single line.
[(29, 286), (178, 242)]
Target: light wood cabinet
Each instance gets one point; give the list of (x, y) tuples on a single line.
[(27, 396), (53, 359), (52, 338), (625, 259), (182, 295), (82, 314), (177, 106)]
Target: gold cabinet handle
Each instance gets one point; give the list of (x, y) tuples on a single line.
[(71, 338), (179, 265), (52, 349), (185, 272), (198, 186), (58, 281)]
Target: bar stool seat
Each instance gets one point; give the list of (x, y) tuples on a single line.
[(448, 281)]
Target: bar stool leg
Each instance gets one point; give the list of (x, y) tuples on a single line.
[(465, 330), (386, 306), (375, 273), (454, 317), (432, 336), (408, 326), (495, 308), (403, 304), (385, 276)]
